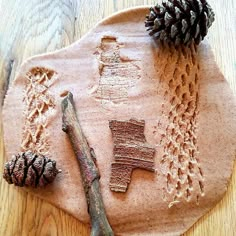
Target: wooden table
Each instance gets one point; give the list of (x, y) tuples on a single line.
[(30, 27)]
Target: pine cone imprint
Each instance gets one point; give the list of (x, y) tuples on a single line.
[(180, 21), (29, 169)]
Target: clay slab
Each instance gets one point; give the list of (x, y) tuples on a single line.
[(118, 72)]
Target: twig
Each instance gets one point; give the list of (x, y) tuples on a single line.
[(88, 169)]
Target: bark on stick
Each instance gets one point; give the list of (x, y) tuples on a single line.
[(88, 169)]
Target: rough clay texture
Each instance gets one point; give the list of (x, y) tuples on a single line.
[(117, 72)]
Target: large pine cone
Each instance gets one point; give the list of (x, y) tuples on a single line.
[(180, 21), (29, 169)]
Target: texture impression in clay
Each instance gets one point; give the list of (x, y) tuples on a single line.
[(180, 160), (113, 70), (131, 151), (39, 107)]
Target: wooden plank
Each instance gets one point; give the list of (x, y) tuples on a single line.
[(31, 27)]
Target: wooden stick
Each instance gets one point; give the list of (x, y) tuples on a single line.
[(88, 169)]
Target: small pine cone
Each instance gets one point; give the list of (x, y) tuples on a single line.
[(180, 21), (30, 169)]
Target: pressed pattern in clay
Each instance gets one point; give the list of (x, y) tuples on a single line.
[(117, 74), (180, 163), (39, 106)]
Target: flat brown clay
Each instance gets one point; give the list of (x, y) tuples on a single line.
[(117, 72)]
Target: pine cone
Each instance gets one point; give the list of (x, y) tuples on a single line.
[(29, 169), (180, 21)]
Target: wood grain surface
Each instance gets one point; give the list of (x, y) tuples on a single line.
[(30, 27)]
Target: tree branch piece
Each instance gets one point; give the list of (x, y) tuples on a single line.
[(88, 169)]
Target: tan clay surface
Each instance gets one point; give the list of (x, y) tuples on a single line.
[(118, 72)]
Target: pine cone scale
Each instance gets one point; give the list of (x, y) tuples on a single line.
[(178, 13), (200, 4), (204, 26), (193, 17), (31, 178), (168, 19), (184, 26), (7, 173), (174, 31), (9, 167), (19, 171), (39, 165), (187, 37), (197, 31)]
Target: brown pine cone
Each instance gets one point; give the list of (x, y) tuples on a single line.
[(30, 169), (180, 21)]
